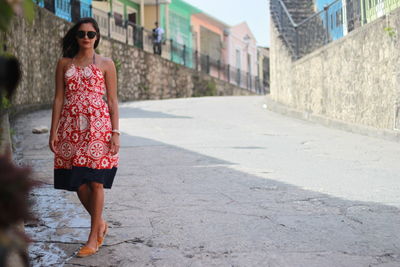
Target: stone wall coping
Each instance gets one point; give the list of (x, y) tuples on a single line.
[(390, 135)]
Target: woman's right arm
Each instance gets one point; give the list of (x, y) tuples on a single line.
[(57, 104)]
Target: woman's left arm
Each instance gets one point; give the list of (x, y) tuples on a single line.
[(112, 101)]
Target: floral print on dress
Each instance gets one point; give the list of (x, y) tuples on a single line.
[(84, 132)]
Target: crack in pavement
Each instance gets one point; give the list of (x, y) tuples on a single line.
[(135, 240), (57, 242)]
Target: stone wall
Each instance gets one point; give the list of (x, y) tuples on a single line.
[(354, 79), (140, 76), (37, 47)]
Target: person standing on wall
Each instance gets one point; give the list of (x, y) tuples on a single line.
[(158, 33), (84, 135)]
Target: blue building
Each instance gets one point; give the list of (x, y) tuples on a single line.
[(333, 19), (86, 8), (70, 10), (62, 9)]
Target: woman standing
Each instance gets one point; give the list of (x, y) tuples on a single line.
[(84, 133)]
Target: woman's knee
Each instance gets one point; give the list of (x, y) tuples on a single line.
[(83, 188), (96, 186)]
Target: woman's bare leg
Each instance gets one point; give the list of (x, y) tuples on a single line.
[(84, 193), (85, 196), (96, 209)]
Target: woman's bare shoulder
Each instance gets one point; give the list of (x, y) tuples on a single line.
[(106, 62), (63, 62)]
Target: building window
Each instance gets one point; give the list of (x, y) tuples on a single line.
[(249, 63), (210, 44), (339, 18), (238, 63), (132, 17), (118, 19)]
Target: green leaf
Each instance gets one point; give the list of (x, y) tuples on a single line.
[(6, 14), (4, 102), (390, 31), (29, 10)]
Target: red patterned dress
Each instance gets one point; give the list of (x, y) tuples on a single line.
[(84, 132)]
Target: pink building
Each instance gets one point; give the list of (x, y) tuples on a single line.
[(242, 50), (209, 40), (220, 45)]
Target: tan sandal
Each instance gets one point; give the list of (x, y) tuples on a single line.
[(86, 251), (100, 239)]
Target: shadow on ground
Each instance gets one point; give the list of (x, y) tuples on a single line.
[(174, 207)]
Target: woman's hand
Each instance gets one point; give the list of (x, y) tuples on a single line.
[(53, 139), (114, 144)]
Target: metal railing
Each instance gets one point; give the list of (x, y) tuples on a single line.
[(375, 9), (327, 25), (184, 55), (285, 25), (136, 35)]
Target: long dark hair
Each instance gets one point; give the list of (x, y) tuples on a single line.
[(70, 45)]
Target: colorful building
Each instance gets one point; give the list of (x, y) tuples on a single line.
[(343, 16), (70, 10), (154, 13), (126, 17), (241, 48), (209, 41), (125, 10), (139, 12), (373, 9), (100, 11), (177, 22), (192, 37), (333, 18), (62, 9), (85, 8)]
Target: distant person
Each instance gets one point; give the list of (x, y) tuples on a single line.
[(158, 33), (84, 135)]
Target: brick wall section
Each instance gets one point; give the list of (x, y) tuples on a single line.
[(355, 79), (141, 76)]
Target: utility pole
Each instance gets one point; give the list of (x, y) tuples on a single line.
[(157, 11), (142, 13)]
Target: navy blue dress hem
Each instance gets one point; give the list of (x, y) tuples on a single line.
[(72, 179)]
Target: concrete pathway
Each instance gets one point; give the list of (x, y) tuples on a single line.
[(224, 182)]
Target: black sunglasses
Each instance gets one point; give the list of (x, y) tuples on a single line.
[(82, 34)]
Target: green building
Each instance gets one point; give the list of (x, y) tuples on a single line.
[(178, 25), (373, 9)]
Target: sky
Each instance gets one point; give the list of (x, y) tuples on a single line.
[(233, 12)]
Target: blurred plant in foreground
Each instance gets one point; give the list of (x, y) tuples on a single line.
[(9, 65), (16, 182), (8, 8), (9, 76)]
